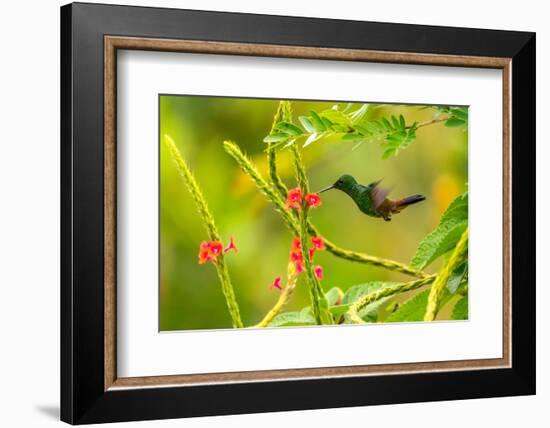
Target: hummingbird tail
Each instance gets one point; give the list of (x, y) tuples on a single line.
[(409, 200)]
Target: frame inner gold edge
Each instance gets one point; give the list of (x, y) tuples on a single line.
[(112, 43)]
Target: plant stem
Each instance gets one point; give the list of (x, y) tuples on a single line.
[(281, 302), (208, 221), (354, 256), (431, 122), (353, 312), (283, 113), (443, 276), (315, 290)]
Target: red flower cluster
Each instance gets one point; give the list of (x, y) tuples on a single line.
[(297, 258), (210, 250), (294, 199)]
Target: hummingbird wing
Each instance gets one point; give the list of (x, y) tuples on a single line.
[(379, 194)]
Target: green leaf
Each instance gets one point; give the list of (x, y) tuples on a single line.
[(353, 136), (438, 242), (387, 124), (317, 122), (334, 296), (389, 152), (327, 122), (336, 117), (402, 121), (460, 112), (339, 310), (456, 277), (311, 139), (460, 311), (289, 128), (358, 114), (306, 123), (454, 122), (451, 226), (292, 318), (395, 122), (276, 137), (369, 312), (457, 209), (412, 310), (326, 317)]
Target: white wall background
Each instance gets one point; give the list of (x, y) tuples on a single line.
[(29, 212)]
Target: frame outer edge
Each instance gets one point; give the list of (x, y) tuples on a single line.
[(66, 273), (524, 196), (81, 381)]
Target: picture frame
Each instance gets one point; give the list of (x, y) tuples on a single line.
[(91, 390)]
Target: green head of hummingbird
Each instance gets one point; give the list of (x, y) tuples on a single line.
[(372, 199)]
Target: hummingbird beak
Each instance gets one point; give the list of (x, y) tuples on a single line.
[(326, 188)]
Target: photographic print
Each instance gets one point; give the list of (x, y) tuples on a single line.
[(281, 213)]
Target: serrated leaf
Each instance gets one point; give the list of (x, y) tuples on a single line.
[(458, 209), (306, 123), (451, 226), (292, 319), (438, 242), (369, 312), (460, 311), (334, 296), (412, 310)]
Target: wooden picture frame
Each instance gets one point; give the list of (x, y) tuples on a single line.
[(91, 390)]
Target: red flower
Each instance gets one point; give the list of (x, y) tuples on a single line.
[(313, 200), (318, 270), (208, 251), (294, 198), (277, 283), (231, 246), (216, 248), (299, 266), (318, 243), (204, 252), (296, 255)]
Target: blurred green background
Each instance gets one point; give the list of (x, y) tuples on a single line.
[(435, 165)]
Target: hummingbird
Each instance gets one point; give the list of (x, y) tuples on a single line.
[(372, 199)]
